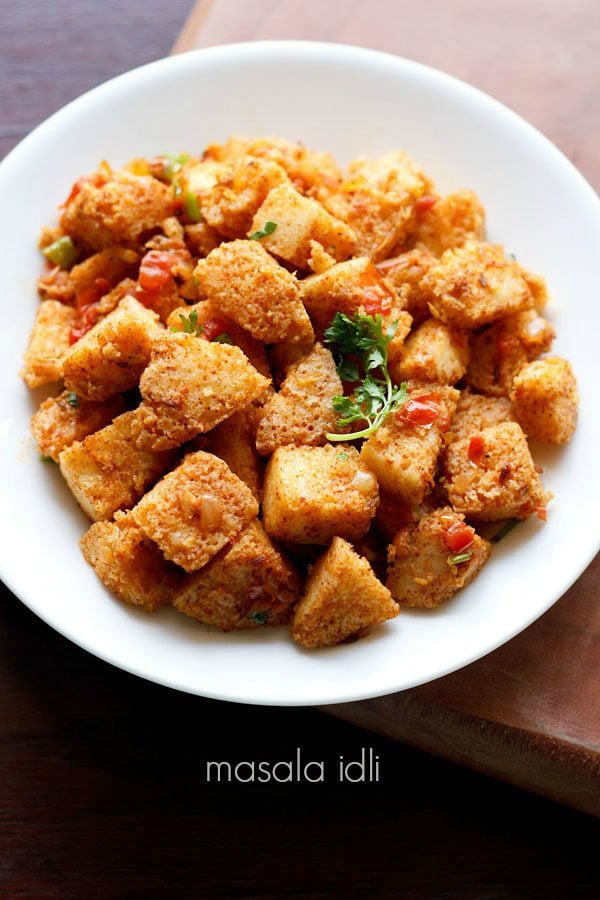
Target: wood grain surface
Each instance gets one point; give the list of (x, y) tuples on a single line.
[(101, 787), (529, 713), (540, 57), (102, 797)]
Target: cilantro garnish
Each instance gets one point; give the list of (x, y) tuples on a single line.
[(460, 558), (360, 349), (343, 456), (269, 228), (46, 459), (72, 399), (259, 616), (189, 324), (223, 338)]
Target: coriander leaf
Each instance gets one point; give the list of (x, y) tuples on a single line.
[(360, 345), (72, 399), (46, 459), (268, 228), (370, 395), (259, 616), (391, 330), (342, 455), (348, 410), (223, 338), (371, 388), (374, 358), (348, 370), (189, 324)]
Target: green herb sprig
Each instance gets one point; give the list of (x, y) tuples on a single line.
[(269, 228), (258, 616), (189, 324), (360, 349)]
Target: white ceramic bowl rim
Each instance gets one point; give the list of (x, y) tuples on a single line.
[(280, 52)]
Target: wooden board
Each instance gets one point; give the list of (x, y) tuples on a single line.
[(530, 712)]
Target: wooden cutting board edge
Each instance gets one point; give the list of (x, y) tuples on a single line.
[(543, 764), (561, 768)]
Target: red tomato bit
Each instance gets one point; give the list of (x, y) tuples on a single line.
[(425, 203), (91, 294), (376, 296), (212, 328), (422, 410), (155, 269), (476, 449), (88, 316), (458, 537), (88, 309)]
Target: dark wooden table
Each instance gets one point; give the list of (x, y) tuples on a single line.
[(102, 789)]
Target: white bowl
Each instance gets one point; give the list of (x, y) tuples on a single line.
[(348, 101)]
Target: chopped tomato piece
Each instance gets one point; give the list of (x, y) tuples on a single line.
[(458, 537), (212, 328), (151, 299), (476, 449), (422, 411), (103, 285), (91, 294), (86, 297), (88, 310), (425, 203), (88, 316), (376, 304), (155, 269), (376, 296)]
